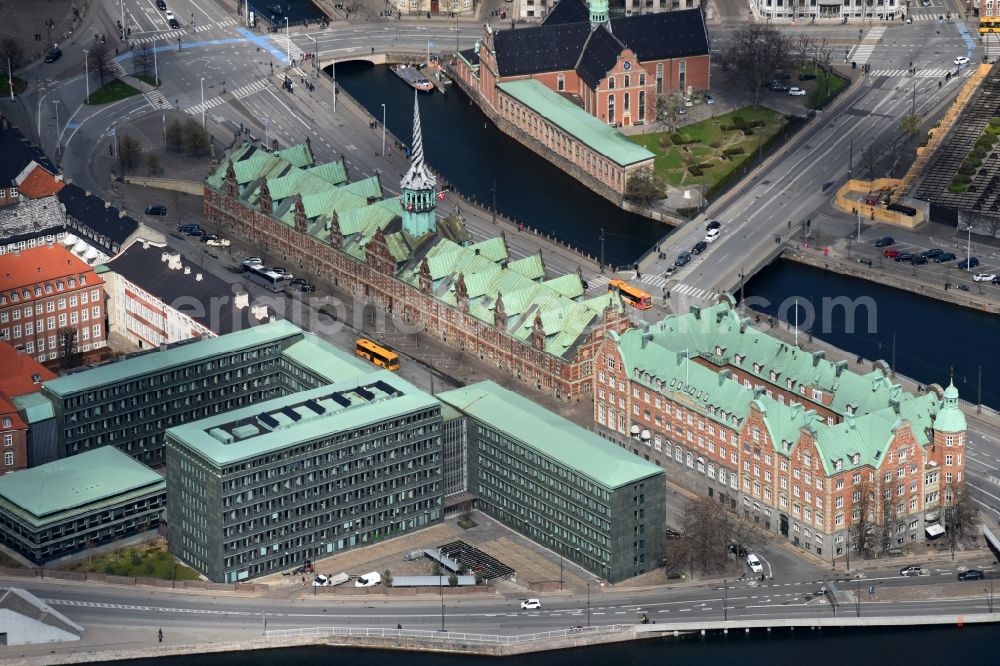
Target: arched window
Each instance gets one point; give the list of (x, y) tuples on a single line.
[(611, 109), (561, 82), (611, 83), (642, 105)]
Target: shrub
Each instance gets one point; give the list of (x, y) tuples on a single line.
[(148, 568), (980, 151), (453, 580), (738, 122), (992, 129), (715, 143), (986, 141), (109, 569), (135, 558), (729, 152), (966, 168), (995, 121), (962, 178), (694, 170), (747, 132), (957, 188), (727, 128), (688, 212)]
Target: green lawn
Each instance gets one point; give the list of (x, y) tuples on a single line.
[(148, 561), (112, 92), (146, 78), (672, 160), (825, 87)]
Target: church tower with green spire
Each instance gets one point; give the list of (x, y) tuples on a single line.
[(419, 187), (598, 13)]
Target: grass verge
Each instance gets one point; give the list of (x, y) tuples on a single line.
[(112, 92), (147, 560)]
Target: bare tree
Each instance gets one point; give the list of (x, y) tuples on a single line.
[(644, 186), (801, 46), (864, 514), (69, 355), (870, 158), (142, 60), (195, 138), (709, 529), (12, 52), (174, 134), (959, 512), (756, 52), (669, 108), (99, 60), (129, 151)]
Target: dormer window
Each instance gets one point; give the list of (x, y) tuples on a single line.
[(738, 358), (83, 280), (756, 367), (850, 409), (37, 290), (71, 282), (26, 294), (774, 376), (838, 464), (789, 383), (855, 458), (718, 350), (48, 288)]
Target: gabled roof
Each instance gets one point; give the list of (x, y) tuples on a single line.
[(561, 441), (674, 34), (42, 264), (110, 226), (567, 11), (599, 55), (20, 373), (36, 181), (539, 49), (16, 152)]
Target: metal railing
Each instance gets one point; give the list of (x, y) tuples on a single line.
[(446, 636)]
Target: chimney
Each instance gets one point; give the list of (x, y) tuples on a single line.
[(840, 366), (758, 391), (817, 355), (145, 246), (696, 311), (719, 315), (197, 277), (86, 193), (187, 270), (121, 214), (107, 204), (241, 300), (477, 251), (646, 338), (894, 403), (724, 374), (258, 312)]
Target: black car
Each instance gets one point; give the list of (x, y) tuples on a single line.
[(904, 256), (208, 237), (672, 534), (699, 247), (161, 4), (966, 264), (714, 224), (185, 228), (996, 280), (305, 286), (943, 257), (807, 77), (932, 253), (174, 24), (682, 259), (156, 209), (738, 550), (918, 260), (53, 55), (972, 574), (885, 241), (195, 233)]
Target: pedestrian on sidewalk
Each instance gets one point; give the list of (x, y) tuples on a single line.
[(159, 635)]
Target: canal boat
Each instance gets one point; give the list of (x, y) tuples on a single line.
[(413, 77)]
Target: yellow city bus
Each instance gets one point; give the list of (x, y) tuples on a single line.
[(988, 24), (636, 297), (377, 354)]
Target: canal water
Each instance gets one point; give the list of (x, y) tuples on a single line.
[(968, 646), (466, 148), (932, 337)]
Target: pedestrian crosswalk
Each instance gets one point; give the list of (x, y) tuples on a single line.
[(926, 73), (862, 52), (285, 43), (117, 71), (924, 17), (653, 280), (197, 109), (157, 100), (688, 290), (238, 93), (160, 37), (598, 281), (249, 89)]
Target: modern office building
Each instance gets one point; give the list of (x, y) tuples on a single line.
[(66, 506), (130, 403), (260, 489), (560, 485), (797, 443)]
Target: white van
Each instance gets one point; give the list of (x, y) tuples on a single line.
[(368, 580)]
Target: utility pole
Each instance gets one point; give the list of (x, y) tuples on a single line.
[(288, 43), (383, 130), (560, 571), (893, 366), (441, 588), (850, 163), (156, 71), (493, 189), (333, 79), (725, 599), (588, 600), (86, 72), (602, 249)]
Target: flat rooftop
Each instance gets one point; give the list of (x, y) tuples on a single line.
[(305, 416), (567, 116), (559, 439), (77, 484), (153, 362)]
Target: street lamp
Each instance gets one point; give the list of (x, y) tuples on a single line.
[(288, 43), (156, 71), (383, 130), (725, 599), (315, 51), (267, 140), (203, 101), (86, 73), (588, 603), (441, 589), (968, 248)]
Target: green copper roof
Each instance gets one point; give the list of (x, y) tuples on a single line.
[(950, 418), (182, 354), (530, 267), (76, 483), (494, 249), (561, 441), (35, 407), (567, 116), (299, 155), (317, 356), (389, 396), (369, 188), (334, 173)]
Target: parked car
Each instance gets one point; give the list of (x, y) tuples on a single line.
[(53, 55), (795, 91), (672, 534), (682, 259), (174, 24), (253, 260), (713, 224), (918, 260), (708, 98), (971, 574), (931, 253), (688, 102), (738, 550), (321, 581), (776, 86), (996, 280), (218, 242), (911, 570), (891, 253), (904, 256), (301, 285), (712, 236), (943, 257), (961, 60), (170, 14), (209, 237), (699, 247), (161, 4), (805, 76), (885, 241), (156, 209), (669, 272), (368, 580), (968, 263), (531, 604), (184, 228), (754, 563), (195, 233), (983, 277)]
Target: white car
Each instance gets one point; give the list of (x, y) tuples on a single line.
[(983, 277), (712, 235), (961, 60), (169, 14), (321, 581), (754, 563), (795, 91), (531, 604), (218, 242)]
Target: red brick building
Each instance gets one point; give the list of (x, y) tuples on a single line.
[(19, 375), (831, 459), (397, 256), (43, 290), (612, 67)]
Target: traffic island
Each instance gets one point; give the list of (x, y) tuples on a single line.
[(112, 92)]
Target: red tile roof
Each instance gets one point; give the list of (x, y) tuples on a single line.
[(8, 410), (17, 370), (38, 264), (40, 183)]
